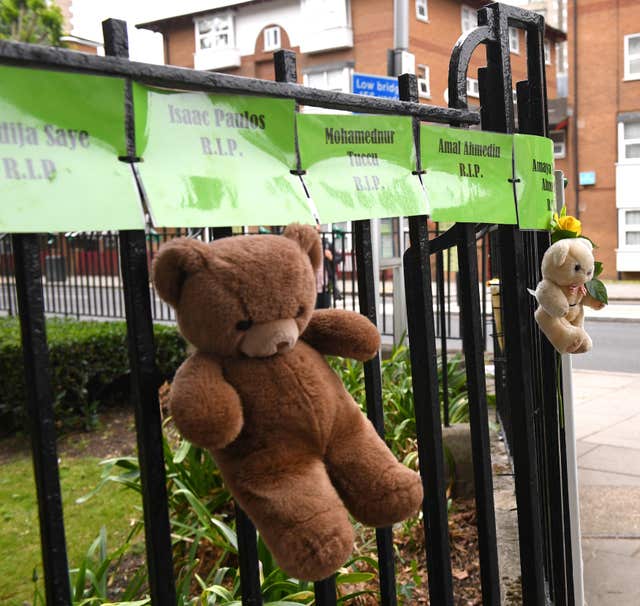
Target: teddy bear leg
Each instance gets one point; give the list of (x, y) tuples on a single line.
[(375, 487), (565, 337), (586, 344), (299, 515)]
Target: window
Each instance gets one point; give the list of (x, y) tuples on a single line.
[(629, 141), (215, 32), (469, 18), (424, 86), (422, 11), (547, 52), (272, 39), (514, 40), (630, 227), (330, 79), (632, 57), (559, 138), (473, 89)]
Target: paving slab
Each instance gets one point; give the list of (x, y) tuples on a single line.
[(610, 511), (611, 458), (583, 448), (624, 434), (610, 579), (594, 477)]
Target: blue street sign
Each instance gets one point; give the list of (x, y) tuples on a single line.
[(375, 86)]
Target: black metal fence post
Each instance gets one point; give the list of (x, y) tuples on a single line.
[(422, 338), (498, 115), (473, 346), (41, 418), (367, 285), (144, 374)]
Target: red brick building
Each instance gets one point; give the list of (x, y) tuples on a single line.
[(335, 39), (604, 44)]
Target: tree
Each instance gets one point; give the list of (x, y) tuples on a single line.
[(35, 21)]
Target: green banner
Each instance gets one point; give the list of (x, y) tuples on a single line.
[(217, 160), (535, 189), (60, 138), (468, 175), (360, 167)]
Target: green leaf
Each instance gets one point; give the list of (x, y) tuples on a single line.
[(354, 577), (597, 290), (561, 234), (597, 269)]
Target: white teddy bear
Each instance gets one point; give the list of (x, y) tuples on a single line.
[(567, 266)]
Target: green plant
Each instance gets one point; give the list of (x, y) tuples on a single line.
[(35, 21), (86, 358), (397, 395), (204, 538)]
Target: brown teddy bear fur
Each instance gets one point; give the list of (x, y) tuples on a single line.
[(293, 447), (567, 266)]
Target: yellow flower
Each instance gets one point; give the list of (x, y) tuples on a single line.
[(568, 223)]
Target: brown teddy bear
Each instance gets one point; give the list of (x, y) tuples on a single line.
[(567, 266), (293, 447)]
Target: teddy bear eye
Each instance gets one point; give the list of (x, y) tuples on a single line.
[(577, 267), (244, 325), (301, 311)]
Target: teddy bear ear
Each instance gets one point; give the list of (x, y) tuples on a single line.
[(559, 251), (308, 239), (174, 262)]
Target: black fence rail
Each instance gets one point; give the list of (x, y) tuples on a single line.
[(530, 373)]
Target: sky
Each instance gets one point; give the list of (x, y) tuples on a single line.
[(87, 16)]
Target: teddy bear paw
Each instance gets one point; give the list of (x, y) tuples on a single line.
[(313, 555)]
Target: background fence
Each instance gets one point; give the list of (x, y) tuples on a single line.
[(82, 279)]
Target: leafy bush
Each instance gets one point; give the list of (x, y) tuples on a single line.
[(86, 359)]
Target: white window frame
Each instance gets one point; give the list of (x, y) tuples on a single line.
[(514, 40), (624, 228), (468, 18), (622, 143), (562, 149), (421, 5), (345, 75), (424, 84), (225, 19), (473, 88), (272, 38), (547, 52), (628, 57)]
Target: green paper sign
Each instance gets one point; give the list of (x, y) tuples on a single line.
[(217, 160), (535, 189), (60, 138), (467, 175), (360, 167)]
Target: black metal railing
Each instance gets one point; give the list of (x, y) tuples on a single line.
[(529, 364)]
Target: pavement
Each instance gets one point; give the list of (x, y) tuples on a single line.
[(607, 420)]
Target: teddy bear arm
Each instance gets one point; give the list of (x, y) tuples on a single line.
[(339, 332), (592, 302), (205, 407), (552, 299)]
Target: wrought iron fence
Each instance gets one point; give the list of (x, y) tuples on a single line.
[(530, 372)]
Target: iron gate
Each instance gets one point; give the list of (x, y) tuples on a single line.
[(531, 378)]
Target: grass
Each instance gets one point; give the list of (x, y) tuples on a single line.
[(19, 530)]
